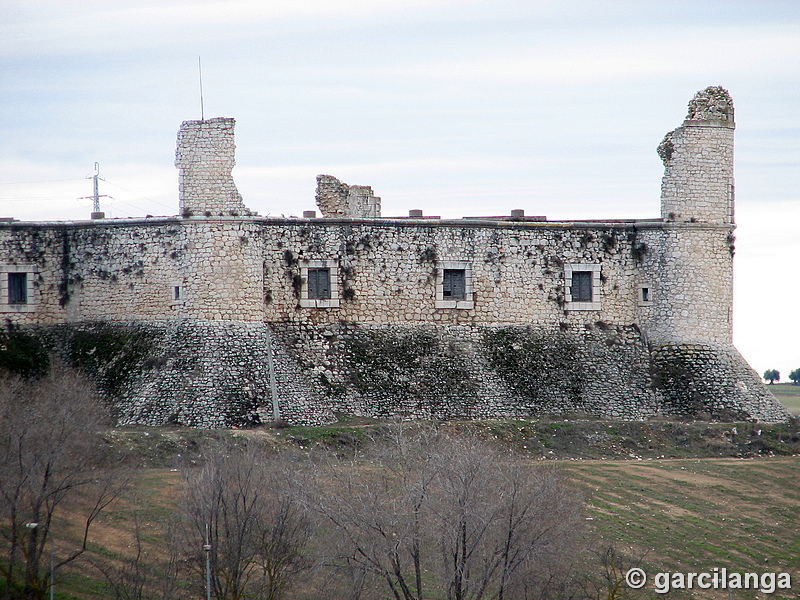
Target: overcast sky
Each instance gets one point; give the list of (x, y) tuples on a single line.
[(455, 107)]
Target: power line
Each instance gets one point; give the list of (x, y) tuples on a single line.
[(35, 182), (142, 197)]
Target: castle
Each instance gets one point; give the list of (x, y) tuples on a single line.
[(220, 317)]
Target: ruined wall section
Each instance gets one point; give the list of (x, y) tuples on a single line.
[(337, 199), (205, 159)]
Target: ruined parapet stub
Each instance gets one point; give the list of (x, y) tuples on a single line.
[(697, 186), (205, 157), (711, 104), (337, 199)]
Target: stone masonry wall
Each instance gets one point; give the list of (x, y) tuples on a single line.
[(216, 374), (386, 271), (205, 159)]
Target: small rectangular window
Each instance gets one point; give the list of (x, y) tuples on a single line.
[(645, 294), (319, 284), (176, 295), (581, 289), (454, 284), (17, 288)]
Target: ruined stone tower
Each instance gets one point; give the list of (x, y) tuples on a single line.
[(698, 160), (693, 300), (205, 157)]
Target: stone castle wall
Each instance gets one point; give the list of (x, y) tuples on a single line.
[(388, 336), (385, 271)]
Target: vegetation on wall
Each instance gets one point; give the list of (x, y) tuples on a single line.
[(537, 366), (22, 353), (109, 354), (415, 369)]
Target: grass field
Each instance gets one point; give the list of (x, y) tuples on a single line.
[(694, 515), (788, 394), (675, 515)]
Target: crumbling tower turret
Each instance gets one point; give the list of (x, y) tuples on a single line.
[(698, 158), (205, 157)]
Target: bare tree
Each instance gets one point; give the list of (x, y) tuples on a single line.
[(434, 515), (244, 506), (51, 452)]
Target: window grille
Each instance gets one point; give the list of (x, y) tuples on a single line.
[(581, 289), (454, 284)]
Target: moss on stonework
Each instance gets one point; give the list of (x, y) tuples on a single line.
[(685, 377), (109, 354), (410, 372), (22, 353), (537, 366)]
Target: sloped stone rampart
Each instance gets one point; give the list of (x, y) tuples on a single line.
[(208, 374)]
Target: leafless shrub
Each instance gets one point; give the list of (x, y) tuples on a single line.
[(145, 574)]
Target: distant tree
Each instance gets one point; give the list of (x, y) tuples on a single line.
[(51, 454), (795, 377), (772, 375)]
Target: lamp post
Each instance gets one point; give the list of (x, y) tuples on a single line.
[(207, 550), (32, 527)]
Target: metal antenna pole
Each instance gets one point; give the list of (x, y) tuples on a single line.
[(96, 196), (200, 72)]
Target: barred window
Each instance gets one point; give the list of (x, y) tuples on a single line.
[(454, 284), (17, 288), (581, 289), (319, 284)]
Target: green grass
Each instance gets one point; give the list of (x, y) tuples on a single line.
[(788, 394)]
